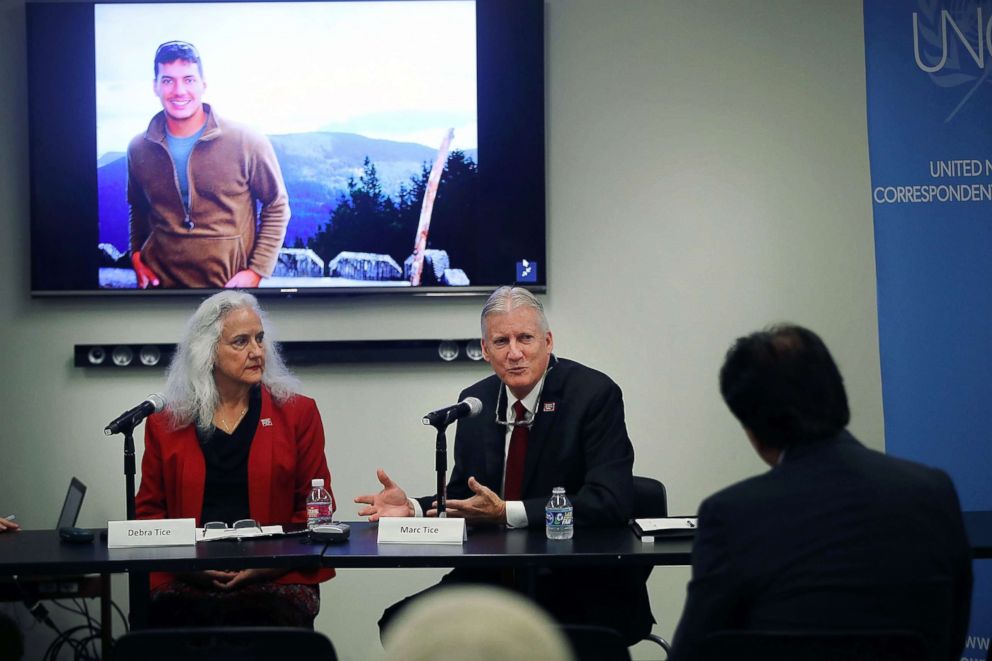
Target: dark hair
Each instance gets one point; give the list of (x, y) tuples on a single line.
[(783, 385), (171, 51)]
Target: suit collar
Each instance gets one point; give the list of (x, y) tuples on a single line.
[(801, 451)]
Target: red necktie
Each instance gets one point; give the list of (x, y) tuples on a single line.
[(513, 483)]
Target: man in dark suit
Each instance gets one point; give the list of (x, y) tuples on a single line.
[(571, 421), (835, 536)]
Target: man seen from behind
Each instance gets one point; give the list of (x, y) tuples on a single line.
[(835, 536)]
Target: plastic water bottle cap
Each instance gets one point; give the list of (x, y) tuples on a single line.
[(317, 482)]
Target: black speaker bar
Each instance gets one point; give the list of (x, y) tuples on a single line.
[(123, 355)]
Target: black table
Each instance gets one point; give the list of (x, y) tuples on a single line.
[(42, 552), (496, 547), (33, 552)]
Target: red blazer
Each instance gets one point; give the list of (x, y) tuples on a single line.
[(286, 453)]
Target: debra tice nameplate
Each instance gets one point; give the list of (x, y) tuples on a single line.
[(151, 532), (421, 530)]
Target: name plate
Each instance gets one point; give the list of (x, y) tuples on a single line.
[(421, 530), (151, 532)]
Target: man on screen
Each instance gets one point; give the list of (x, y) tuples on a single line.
[(194, 184), (545, 422), (835, 536)]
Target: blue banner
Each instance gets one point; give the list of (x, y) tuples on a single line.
[(930, 144)]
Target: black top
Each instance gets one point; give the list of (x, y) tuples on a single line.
[(225, 491)]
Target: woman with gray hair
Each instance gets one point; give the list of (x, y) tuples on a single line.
[(235, 445)]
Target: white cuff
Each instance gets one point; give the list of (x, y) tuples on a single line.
[(516, 514), (417, 511)]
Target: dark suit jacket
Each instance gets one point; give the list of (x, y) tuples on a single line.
[(837, 536), (579, 441)]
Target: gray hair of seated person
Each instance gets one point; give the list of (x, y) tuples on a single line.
[(475, 623), (505, 299), (190, 390)]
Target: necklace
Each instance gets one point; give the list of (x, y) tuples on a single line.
[(231, 428)]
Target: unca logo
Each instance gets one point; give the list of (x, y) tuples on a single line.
[(945, 41)]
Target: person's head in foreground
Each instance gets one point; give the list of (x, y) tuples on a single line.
[(475, 623)]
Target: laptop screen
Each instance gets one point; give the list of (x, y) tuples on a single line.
[(71, 506)]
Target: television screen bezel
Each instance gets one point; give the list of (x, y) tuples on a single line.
[(511, 111)]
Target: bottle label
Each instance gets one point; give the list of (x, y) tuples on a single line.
[(558, 517), (319, 511)]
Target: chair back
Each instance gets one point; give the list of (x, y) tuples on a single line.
[(226, 644), (847, 645), (650, 498), (594, 643)]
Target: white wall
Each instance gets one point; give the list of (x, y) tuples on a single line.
[(707, 175)]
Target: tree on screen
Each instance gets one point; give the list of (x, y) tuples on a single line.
[(365, 219)]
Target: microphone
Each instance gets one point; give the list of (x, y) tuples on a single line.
[(130, 419), (467, 408)]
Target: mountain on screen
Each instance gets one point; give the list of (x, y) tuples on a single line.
[(315, 166)]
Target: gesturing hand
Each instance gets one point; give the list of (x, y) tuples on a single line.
[(391, 501), (484, 506)]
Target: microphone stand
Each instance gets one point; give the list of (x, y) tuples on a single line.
[(129, 471), (138, 589), (441, 462)]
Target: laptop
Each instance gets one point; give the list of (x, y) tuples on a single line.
[(73, 503)]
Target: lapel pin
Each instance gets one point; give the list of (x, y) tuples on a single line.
[(266, 422), (549, 407)]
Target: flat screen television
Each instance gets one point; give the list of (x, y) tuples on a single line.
[(332, 147)]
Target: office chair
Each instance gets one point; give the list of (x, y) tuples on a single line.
[(651, 502), (849, 645), (650, 498), (592, 643), (224, 644)]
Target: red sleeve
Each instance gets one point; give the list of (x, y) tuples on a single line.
[(310, 463), (150, 503), (310, 459)]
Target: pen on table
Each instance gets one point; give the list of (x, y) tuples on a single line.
[(691, 524)]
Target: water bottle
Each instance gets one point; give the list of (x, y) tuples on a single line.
[(320, 507), (558, 515)]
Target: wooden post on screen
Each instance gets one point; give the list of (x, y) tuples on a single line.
[(420, 241)]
